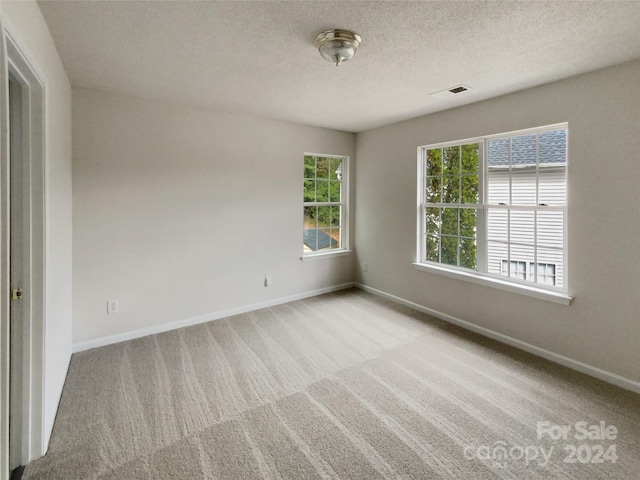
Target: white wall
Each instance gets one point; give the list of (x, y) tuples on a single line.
[(602, 326), (179, 213), (26, 25)]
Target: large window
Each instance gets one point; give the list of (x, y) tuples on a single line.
[(497, 206), (325, 207)]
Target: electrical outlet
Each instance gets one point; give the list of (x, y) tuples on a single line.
[(365, 267), (112, 306), (267, 280)]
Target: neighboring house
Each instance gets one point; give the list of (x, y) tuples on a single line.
[(549, 174), (315, 239)]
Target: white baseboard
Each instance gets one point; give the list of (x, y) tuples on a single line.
[(609, 377), (165, 327)]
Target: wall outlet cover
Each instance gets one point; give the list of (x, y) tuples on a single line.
[(112, 306)]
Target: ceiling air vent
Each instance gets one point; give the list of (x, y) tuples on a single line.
[(450, 92), (458, 89)]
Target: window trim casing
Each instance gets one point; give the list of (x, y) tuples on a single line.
[(525, 287), (344, 211)]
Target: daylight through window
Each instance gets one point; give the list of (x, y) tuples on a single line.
[(497, 205), (325, 178)]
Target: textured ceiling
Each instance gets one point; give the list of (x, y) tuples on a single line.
[(258, 57)]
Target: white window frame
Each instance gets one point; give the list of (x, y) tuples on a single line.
[(481, 275), (344, 211)]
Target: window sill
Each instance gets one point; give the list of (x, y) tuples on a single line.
[(319, 256), (530, 291)]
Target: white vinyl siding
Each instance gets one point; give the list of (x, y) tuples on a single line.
[(552, 190), (526, 227)]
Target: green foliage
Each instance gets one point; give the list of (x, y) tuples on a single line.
[(322, 184), (452, 178)]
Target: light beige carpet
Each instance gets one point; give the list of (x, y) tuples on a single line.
[(345, 386)]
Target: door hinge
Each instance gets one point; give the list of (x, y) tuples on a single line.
[(16, 294)]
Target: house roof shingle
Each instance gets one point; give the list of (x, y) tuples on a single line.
[(316, 239), (552, 149)]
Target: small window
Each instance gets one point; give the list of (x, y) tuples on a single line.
[(543, 273), (325, 204), (515, 269)]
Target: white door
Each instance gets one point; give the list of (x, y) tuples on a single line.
[(22, 258), (16, 275)]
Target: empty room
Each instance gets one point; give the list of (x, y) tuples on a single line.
[(319, 240)]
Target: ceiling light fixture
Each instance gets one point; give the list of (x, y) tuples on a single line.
[(337, 46)]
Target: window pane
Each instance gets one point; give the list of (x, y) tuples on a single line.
[(433, 220), (521, 227), (322, 191), (309, 167), (432, 248), (498, 153), (335, 235), (550, 229), (310, 230), (324, 216), (523, 186), (523, 254), (334, 191), (523, 152), (552, 148), (555, 257), (498, 186), (310, 215), (552, 185), (468, 222), (434, 162), (496, 252), (468, 253), (335, 169), (310, 239), (544, 273), (514, 269), (523, 170), (518, 270), (322, 167), (498, 224), (451, 189), (504, 267), (334, 216), (450, 221), (469, 189), (327, 240), (451, 160), (450, 250), (309, 190), (470, 158), (433, 189)]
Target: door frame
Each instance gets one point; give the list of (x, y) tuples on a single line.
[(14, 60)]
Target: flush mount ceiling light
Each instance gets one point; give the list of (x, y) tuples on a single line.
[(337, 46)]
